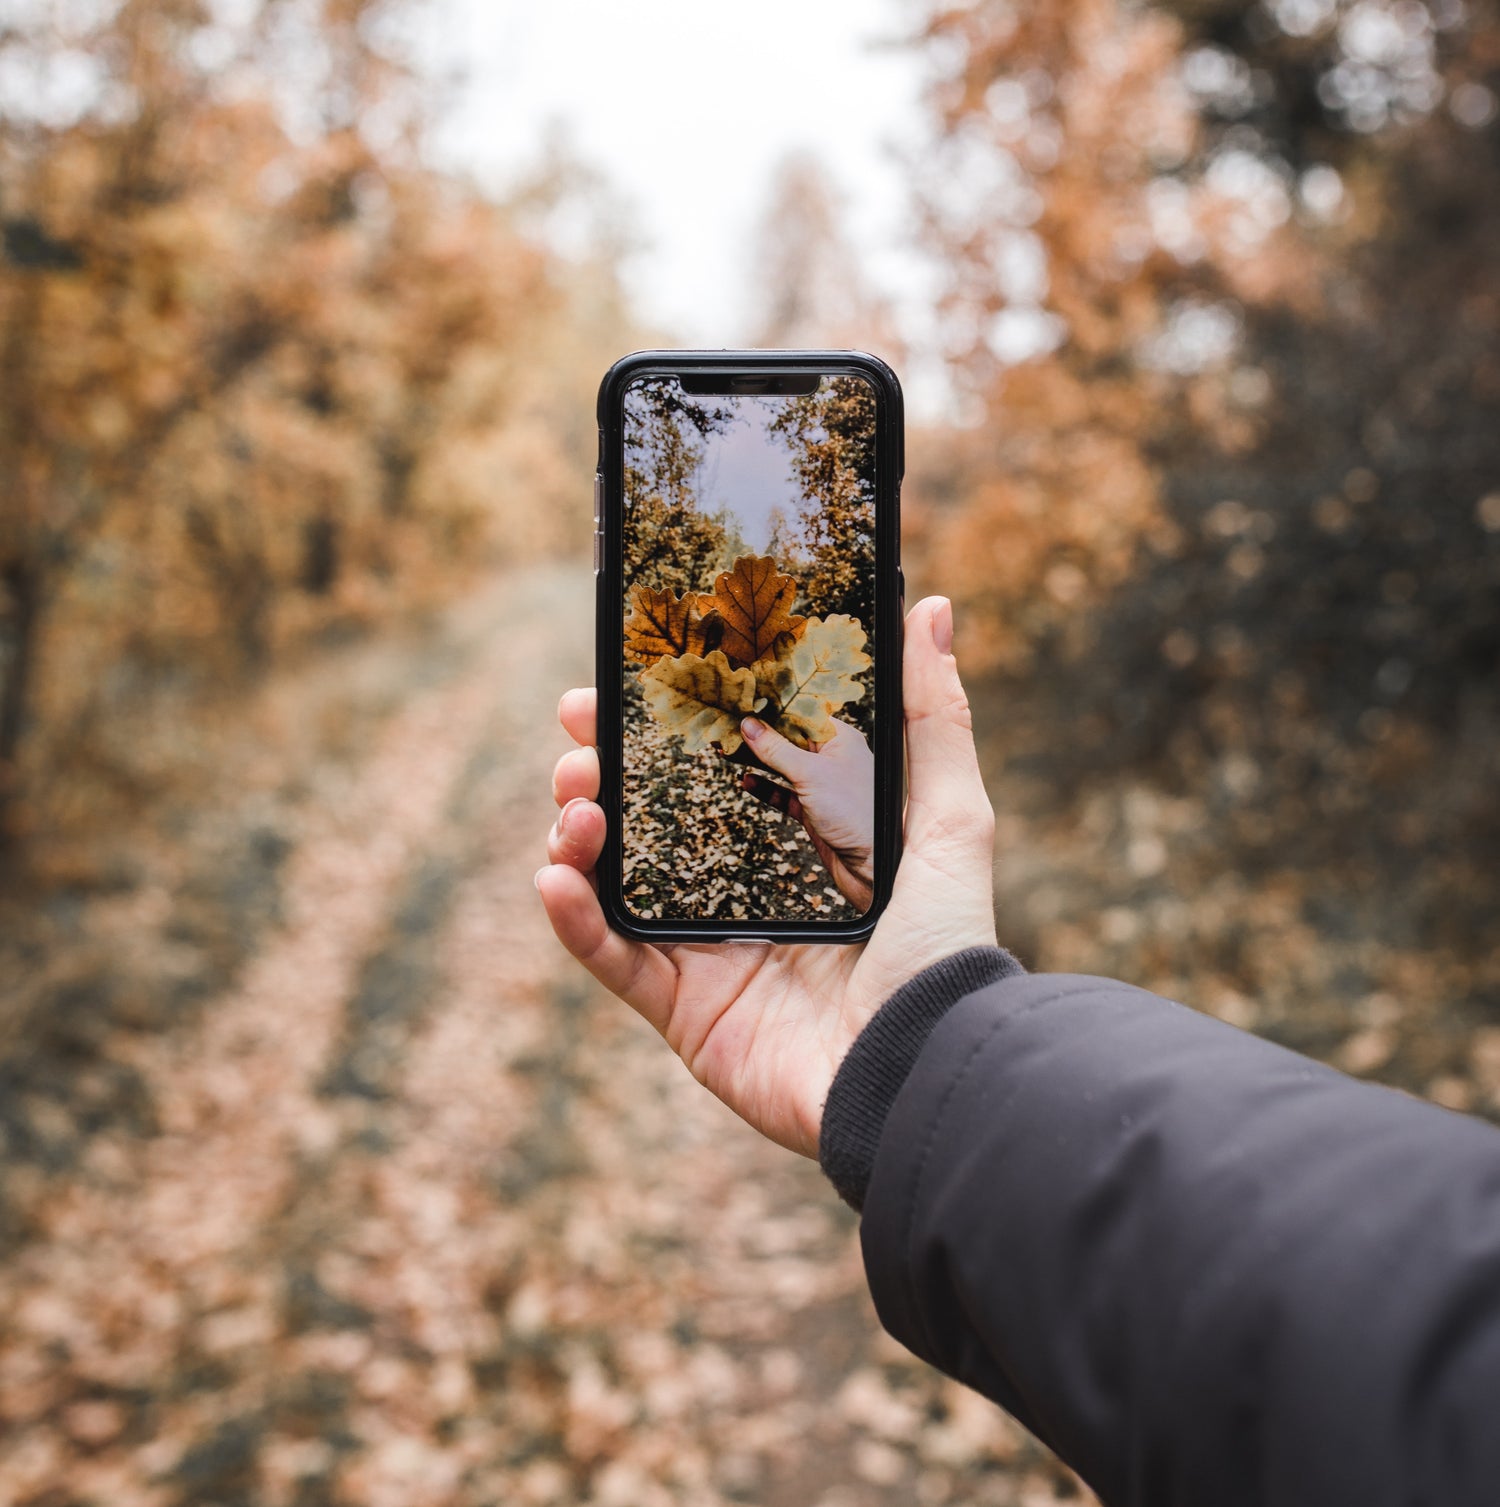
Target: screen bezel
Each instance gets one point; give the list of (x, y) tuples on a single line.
[(609, 630)]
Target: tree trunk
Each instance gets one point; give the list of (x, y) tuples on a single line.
[(24, 587)]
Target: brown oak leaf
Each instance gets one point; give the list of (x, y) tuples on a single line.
[(701, 699), (812, 677), (754, 601), (660, 623)]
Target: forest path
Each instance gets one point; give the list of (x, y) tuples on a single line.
[(423, 1217)]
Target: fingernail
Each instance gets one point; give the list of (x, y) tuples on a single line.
[(752, 728), (942, 626), (536, 878)]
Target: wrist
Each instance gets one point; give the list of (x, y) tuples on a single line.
[(881, 1056), (857, 888)]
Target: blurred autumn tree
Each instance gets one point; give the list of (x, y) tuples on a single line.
[(807, 271), (1221, 284), (831, 436), (1055, 128), (672, 543), (260, 369)]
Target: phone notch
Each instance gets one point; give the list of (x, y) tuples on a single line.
[(750, 384)]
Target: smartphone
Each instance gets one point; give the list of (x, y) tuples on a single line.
[(748, 644)]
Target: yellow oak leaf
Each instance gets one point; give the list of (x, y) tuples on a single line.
[(781, 645), (660, 623), (754, 601), (812, 677), (701, 699)]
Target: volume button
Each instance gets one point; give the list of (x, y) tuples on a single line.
[(598, 498), (598, 552)]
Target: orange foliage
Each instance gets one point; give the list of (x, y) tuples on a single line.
[(253, 379), (1067, 233)]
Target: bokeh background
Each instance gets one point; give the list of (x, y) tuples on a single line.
[(323, 1177)]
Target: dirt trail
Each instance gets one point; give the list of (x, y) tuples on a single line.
[(426, 1219)]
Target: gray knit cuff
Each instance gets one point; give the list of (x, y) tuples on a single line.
[(871, 1075)]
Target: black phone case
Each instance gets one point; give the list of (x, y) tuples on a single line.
[(609, 634)]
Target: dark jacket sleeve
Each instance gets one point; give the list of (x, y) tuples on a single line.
[(1202, 1268)]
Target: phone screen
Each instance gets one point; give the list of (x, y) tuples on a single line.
[(749, 579)]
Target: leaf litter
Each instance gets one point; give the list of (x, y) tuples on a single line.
[(528, 1260)]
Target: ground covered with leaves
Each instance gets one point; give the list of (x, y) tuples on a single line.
[(327, 1178)]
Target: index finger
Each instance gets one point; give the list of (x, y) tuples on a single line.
[(638, 973), (578, 713)]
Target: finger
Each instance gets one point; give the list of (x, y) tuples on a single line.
[(638, 973), (947, 795), (578, 711), (846, 739), (576, 774), (577, 836), (778, 753)]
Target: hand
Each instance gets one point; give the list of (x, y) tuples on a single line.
[(834, 799), (766, 1027)]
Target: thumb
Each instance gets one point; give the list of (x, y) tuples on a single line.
[(946, 804), (781, 754)]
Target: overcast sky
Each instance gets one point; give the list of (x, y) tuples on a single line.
[(687, 107), (747, 470)]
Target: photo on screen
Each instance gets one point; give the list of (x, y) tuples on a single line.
[(749, 571)]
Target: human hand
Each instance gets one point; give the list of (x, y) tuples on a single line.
[(765, 1027), (833, 797)]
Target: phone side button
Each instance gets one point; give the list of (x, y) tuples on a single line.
[(598, 552), (598, 497)]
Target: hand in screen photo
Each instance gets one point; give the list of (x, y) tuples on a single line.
[(833, 787)]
